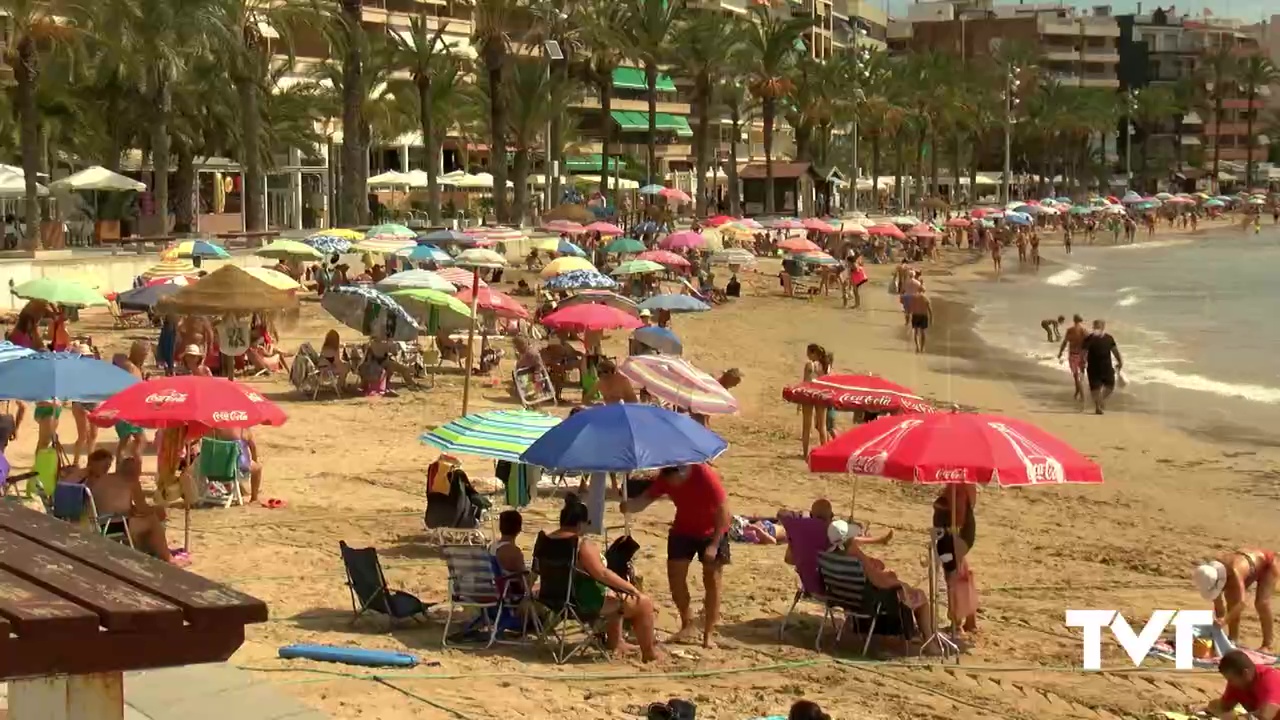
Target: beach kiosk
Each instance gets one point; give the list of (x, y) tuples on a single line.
[(78, 610)]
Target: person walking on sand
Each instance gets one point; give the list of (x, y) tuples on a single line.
[(995, 255), (1073, 344), (701, 530), (1035, 250), (1097, 349), (921, 311), (902, 276), (1226, 581), (1066, 238)]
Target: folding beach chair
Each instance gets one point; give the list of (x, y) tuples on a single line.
[(73, 502), (845, 588), (806, 539), (567, 629), (219, 470), (475, 583), (369, 590), (310, 373), (533, 386)]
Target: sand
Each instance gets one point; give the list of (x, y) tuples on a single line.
[(352, 469)]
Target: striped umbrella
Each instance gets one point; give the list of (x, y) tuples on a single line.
[(386, 245), (580, 280), (201, 248), (733, 256), (390, 230), (169, 266), (458, 276), (676, 382), (498, 434), (330, 241), (9, 351)]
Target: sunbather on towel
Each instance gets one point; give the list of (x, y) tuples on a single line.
[(1226, 582), (843, 538)]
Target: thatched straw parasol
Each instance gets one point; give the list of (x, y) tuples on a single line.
[(570, 212), (229, 290)]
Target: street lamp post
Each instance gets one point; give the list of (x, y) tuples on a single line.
[(551, 168), (1010, 87), (1131, 103), (861, 55)]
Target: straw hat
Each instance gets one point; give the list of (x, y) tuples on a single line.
[(1210, 579)]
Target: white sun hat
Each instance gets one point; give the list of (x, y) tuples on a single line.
[(1209, 579)]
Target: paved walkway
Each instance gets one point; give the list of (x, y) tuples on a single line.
[(204, 692)]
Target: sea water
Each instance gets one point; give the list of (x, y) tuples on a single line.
[(1192, 315)]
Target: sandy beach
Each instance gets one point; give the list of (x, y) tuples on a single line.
[(352, 470)]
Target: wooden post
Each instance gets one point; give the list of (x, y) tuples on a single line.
[(68, 697), (471, 336)]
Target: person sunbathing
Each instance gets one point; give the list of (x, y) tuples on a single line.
[(380, 363), (559, 358), (1226, 581), (612, 386), (849, 540), (120, 493), (331, 357), (249, 461), (263, 353)]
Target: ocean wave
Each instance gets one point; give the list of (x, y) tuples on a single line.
[(1069, 277), (1129, 300), (1153, 244), (1193, 381)]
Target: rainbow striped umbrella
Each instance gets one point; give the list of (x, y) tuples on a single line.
[(675, 382), (498, 434), (170, 265)]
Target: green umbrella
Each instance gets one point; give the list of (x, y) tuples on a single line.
[(638, 267), (60, 292), (625, 245), (288, 249), (433, 309), (390, 230), (498, 434)]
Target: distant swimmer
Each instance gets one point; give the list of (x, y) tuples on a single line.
[(1051, 328), (1073, 343), (1226, 581), (1097, 350), (995, 255), (921, 311)]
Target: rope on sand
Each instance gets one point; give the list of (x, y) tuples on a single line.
[(382, 681)]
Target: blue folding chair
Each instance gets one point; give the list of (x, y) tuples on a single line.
[(73, 502)]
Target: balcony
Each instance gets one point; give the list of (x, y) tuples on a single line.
[(1089, 27), (1090, 81), (1227, 128), (591, 102), (1091, 55), (456, 26)]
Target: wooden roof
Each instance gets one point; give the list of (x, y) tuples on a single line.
[(781, 171)]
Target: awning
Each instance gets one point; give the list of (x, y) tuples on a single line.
[(1190, 140), (630, 121), (1191, 118), (629, 78), (1262, 140), (590, 163), (1226, 177), (666, 121)]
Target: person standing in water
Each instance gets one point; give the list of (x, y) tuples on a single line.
[(1073, 343), (1097, 350)]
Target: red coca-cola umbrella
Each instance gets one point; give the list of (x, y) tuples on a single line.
[(955, 448), (886, 230), (846, 393), (171, 402)]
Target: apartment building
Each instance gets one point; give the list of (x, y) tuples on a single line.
[(1076, 48)]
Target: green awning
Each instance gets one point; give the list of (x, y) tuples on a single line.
[(630, 121), (629, 78), (678, 123), (590, 163)]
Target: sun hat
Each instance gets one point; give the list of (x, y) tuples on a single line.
[(1209, 579), (837, 532), (645, 313)]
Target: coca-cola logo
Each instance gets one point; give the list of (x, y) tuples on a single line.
[(168, 397), (951, 475), (1040, 466), (864, 400), (868, 465), (255, 397), (872, 457), (230, 416)]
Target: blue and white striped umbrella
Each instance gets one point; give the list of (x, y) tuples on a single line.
[(580, 280), (564, 247), (498, 434), (371, 312), (9, 351), (328, 244), (425, 252)]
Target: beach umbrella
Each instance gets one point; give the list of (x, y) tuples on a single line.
[(445, 237), (580, 318), (458, 277), (847, 393), (563, 226), (714, 238), (718, 220), (646, 227), (905, 220), (1213, 202), (676, 382), (733, 256), (750, 223), (433, 309), (799, 245), (480, 258), (497, 434), (638, 267), (924, 231), (1163, 196), (181, 400), (9, 351), (425, 253), (660, 339), (564, 247), (782, 223), (274, 278), (624, 245), (666, 258), (1029, 209), (289, 250), (200, 249), (652, 190), (389, 245), (955, 448), (491, 301), (1063, 200), (674, 303), (601, 297), (490, 235), (959, 222), (816, 258), (817, 225), (676, 194), (389, 231), (1018, 218), (566, 264), (329, 241), (580, 280), (1082, 210), (146, 297), (61, 376), (624, 438), (604, 228), (886, 230), (414, 279), (59, 291), (682, 240), (373, 313), (852, 227)]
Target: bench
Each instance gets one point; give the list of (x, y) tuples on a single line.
[(248, 240), (140, 244)]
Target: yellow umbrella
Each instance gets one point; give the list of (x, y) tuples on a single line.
[(274, 278), (352, 235), (170, 265), (549, 244), (715, 241), (566, 264)]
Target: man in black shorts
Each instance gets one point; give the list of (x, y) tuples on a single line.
[(1098, 349), (921, 312), (701, 530)]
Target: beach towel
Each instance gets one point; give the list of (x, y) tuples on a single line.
[(517, 483), (1165, 650)]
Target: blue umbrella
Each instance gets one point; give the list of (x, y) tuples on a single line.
[(651, 189), (580, 280), (9, 351), (45, 377), (645, 228), (1017, 218), (328, 244), (146, 297), (201, 249), (623, 438), (675, 303), (371, 312), (427, 253), (660, 339), (447, 236), (567, 248)]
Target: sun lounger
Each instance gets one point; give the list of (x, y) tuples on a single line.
[(73, 502), (369, 590), (806, 539), (568, 629), (845, 588), (476, 584), (219, 470)]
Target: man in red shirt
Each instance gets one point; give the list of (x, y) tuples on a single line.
[(1255, 687), (700, 530)]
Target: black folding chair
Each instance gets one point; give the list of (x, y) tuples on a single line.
[(369, 590), (567, 629)]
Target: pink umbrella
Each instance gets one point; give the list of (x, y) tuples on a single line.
[(458, 276), (959, 222), (924, 231), (979, 213), (852, 228), (817, 225), (676, 382), (664, 257), (565, 226), (751, 223), (498, 303), (886, 230), (604, 228), (579, 318), (682, 240), (799, 245), (786, 224), (675, 194)]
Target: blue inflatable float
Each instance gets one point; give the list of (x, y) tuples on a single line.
[(349, 656)]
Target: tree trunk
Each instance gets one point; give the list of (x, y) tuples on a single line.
[(1146, 164), (651, 85), (354, 194), (26, 74), (1217, 135), (520, 174), (875, 169), (432, 148), (804, 142), (702, 93), (555, 150), (974, 154), (251, 128), (497, 136), (770, 109), (604, 88), (917, 181), (184, 177), (735, 122), (953, 195), (1248, 139), (160, 149), (1177, 143), (899, 165), (933, 163)]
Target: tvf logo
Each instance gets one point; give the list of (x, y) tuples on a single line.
[(1138, 645)]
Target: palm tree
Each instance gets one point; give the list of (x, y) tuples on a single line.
[(1187, 95), (530, 99), (424, 53), (734, 97), (647, 26), (602, 42), (706, 45), (1154, 107), (557, 21), (491, 18), (1255, 72), (773, 46), (1219, 69), (880, 114)]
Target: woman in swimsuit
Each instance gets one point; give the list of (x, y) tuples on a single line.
[(1226, 582), (818, 363)]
